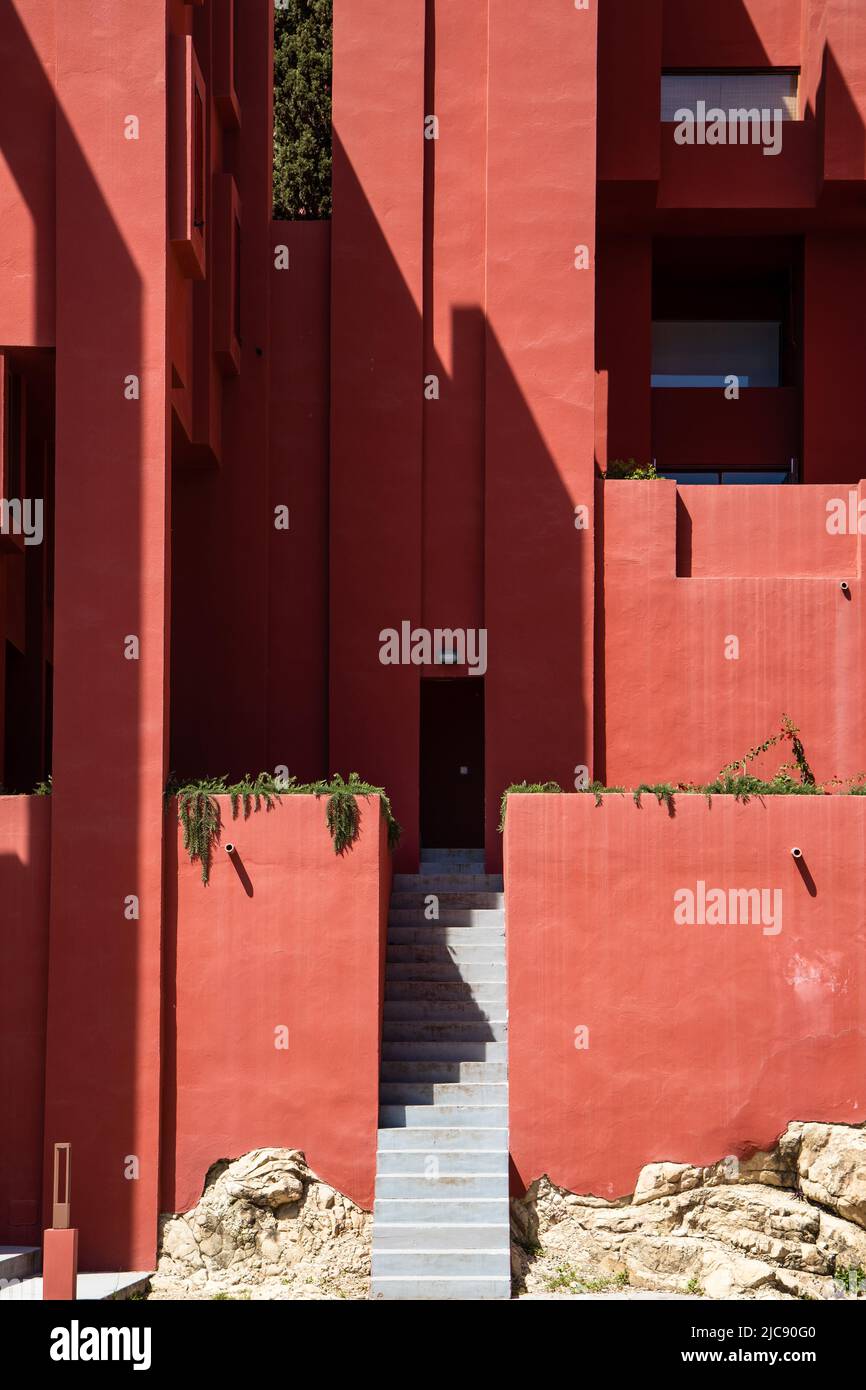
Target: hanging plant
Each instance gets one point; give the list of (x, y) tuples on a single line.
[(199, 812)]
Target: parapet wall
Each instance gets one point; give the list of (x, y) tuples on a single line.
[(720, 609), (644, 1024)]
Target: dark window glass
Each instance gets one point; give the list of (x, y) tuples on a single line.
[(198, 158), (237, 280)]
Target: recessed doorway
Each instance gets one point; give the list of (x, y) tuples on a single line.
[(452, 763)]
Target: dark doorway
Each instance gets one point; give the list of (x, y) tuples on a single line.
[(452, 763)]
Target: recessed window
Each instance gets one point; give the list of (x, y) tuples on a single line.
[(729, 91), (13, 480), (707, 353), (701, 477), (199, 158), (237, 280)]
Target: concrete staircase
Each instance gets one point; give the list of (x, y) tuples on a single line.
[(441, 1227), (21, 1281)]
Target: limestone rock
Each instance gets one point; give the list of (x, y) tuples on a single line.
[(831, 1162), (736, 1229), (265, 1227)]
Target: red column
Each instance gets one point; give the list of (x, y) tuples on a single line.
[(102, 1078), (377, 383), (540, 393)]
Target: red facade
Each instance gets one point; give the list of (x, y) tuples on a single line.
[(262, 446)]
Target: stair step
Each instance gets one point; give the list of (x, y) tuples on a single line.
[(447, 917), (439, 1290), (443, 1093), (427, 882), (443, 868), (439, 953), (474, 856), (445, 1185), (446, 1161), (447, 898), (483, 991), (429, 1072), (444, 1010), (461, 1211), (445, 936), (411, 1263), (448, 1116), (471, 973), (443, 1050), (448, 1031), (402, 1235), (433, 1138), (19, 1262)]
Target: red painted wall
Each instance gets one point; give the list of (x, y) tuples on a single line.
[(454, 297), (297, 729), (377, 385), (110, 731), (25, 834), (539, 396), (27, 187), (287, 934), (704, 1041), (834, 406), (763, 569)]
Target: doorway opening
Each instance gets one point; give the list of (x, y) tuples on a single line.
[(452, 763)]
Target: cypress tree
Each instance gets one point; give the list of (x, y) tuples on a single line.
[(302, 109)]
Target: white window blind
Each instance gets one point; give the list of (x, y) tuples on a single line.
[(765, 91), (703, 353)]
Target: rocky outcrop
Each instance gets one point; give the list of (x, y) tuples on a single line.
[(265, 1227), (790, 1223)]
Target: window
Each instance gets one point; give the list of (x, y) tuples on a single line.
[(188, 162), (701, 476), (728, 91), (705, 353), (226, 26), (199, 160), (14, 436), (226, 279), (237, 283)]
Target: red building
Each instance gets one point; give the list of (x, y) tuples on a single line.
[(330, 496)]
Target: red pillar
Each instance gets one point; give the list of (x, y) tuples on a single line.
[(541, 182), (102, 1075), (377, 384)]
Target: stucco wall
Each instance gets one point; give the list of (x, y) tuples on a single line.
[(703, 1040), (288, 935), (25, 830)]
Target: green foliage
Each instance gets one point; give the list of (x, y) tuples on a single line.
[(199, 812), (662, 791), (43, 788), (343, 817), (598, 790), (794, 778), (565, 1277), (302, 109), (628, 470), (788, 730), (532, 787), (745, 786), (852, 1279)]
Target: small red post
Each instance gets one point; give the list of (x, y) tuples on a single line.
[(60, 1243)]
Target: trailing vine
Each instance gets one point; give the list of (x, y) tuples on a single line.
[(794, 778), (199, 811), (662, 791), (527, 787)]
